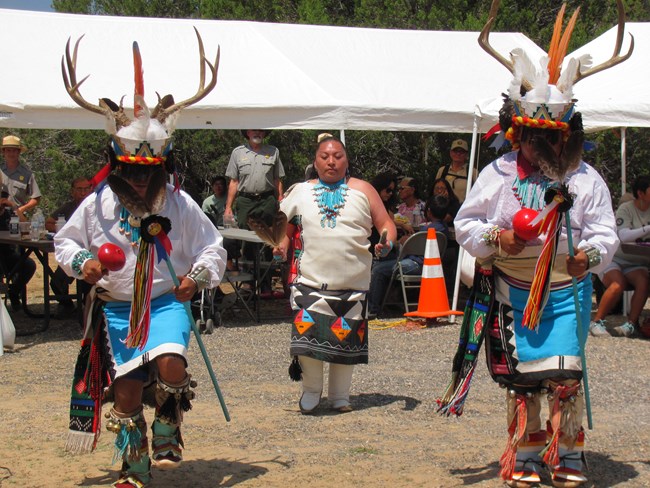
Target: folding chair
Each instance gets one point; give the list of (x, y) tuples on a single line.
[(413, 246), (236, 280)]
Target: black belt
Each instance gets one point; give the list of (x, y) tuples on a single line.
[(257, 196)]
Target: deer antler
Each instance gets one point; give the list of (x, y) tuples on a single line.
[(484, 38), (114, 113), (70, 80), (484, 42), (616, 57), (161, 112)]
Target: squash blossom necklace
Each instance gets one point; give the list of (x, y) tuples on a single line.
[(330, 198)]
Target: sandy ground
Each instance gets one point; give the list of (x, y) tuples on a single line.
[(393, 438)]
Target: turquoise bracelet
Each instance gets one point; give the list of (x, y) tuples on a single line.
[(79, 259)]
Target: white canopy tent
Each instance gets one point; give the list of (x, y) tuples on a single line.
[(271, 75)]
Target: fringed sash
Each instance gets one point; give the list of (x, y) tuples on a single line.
[(478, 312), (89, 382)]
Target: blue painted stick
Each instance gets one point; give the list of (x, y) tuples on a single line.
[(583, 358), (199, 341)]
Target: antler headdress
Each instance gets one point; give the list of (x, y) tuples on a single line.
[(540, 94), (145, 140)]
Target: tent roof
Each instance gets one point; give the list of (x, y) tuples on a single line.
[(271, 75)]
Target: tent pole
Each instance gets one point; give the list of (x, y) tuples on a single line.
[(343, 136), (623, 161), (470, 173)]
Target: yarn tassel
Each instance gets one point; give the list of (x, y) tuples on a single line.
[(295, 371), (128, 441), (541, 285), (516, 431), (551, 454), (472, 332), (140, 317), (456, 403)]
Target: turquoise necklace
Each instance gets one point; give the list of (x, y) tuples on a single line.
[(530, 191), (330, 199), (129, 226)]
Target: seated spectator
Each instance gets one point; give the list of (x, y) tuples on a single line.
[(443, 188), (60, 283), (19, 273), (79, 189), (437, 210), (382, 269), (19, 194), (386, 186), (632, 218), (436, 213), (214, 207), (410, 210)]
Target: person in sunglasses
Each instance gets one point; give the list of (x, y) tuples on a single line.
[(456, 172)]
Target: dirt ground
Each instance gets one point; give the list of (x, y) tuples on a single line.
[(393, 438)]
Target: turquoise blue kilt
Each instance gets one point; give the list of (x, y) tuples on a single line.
[(519, 355), (169, 332)]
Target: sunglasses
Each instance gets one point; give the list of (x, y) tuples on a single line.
[(389, 190)]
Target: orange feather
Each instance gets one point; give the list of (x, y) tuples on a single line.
[(553, 47), (564, 43), (138, 78)]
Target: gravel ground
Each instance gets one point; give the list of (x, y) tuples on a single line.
[(393, 438)]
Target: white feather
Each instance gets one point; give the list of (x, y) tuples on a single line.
[(525, 70), (515, 84), (170, 122)]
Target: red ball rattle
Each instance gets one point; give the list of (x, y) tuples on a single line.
[(111, 256), (521, 224)]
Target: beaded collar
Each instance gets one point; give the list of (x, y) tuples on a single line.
[(330, 198)]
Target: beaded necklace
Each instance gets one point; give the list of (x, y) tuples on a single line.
[(530, 190), (130, 226), (330, 199)]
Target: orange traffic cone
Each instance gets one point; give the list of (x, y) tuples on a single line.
[(433, 300)]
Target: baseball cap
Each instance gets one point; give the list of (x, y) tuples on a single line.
[(459, 143)]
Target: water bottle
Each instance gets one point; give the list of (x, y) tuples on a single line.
[(34, 231), (13, 223), (60, 222), (38, 225)]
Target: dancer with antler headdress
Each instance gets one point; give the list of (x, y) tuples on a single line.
[(137, 327), (532, 289)]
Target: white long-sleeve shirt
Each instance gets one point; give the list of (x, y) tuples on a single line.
[(492, 201), (195, 242)]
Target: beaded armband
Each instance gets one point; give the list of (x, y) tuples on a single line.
[(79, 259), (594, 257), (201, 276), (491, 236)]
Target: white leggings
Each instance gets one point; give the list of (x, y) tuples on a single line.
[(340, 380)]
